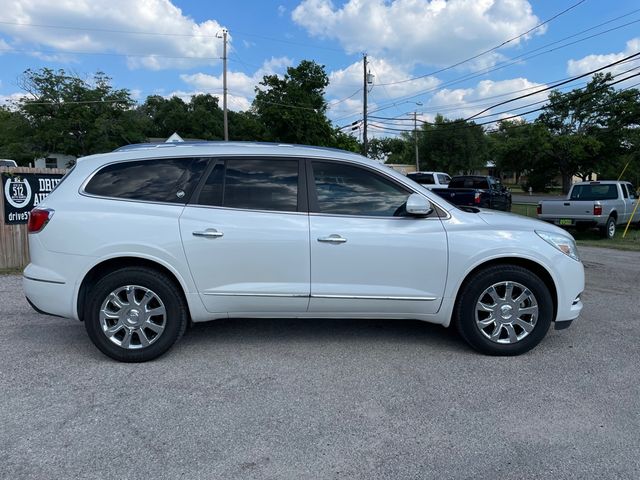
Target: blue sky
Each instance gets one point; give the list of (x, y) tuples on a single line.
[(170, 47)]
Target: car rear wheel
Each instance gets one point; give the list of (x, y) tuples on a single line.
[(135, 314), (609, 230), (504, 310)]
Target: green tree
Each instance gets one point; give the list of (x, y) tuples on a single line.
[(15, 132), (452, 146), (581, 123), (519, 147), (293, 108), (76, 117), (394, 150)]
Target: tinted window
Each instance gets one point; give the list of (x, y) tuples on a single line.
[(594, 192), (477, 183), (348, 190), (625, 194), (166, 180), (256, 184), (422, 178)]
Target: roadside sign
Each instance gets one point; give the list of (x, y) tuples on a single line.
[(23, 191)]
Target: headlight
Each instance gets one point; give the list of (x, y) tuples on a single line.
[(566, 245)]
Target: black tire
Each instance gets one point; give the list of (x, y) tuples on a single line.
[(609, 230), (175, 318), (470, 295)]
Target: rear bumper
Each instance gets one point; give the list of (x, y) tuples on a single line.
[(50, 297), (575, 222)]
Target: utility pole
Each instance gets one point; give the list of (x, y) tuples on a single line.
[(415, 137), (365, 142), (224, 85)]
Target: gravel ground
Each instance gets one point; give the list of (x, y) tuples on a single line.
[(324, 399)]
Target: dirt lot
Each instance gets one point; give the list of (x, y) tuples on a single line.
[(328, 399)]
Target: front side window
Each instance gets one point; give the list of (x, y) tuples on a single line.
[(255, 184), (632, 191), (159, 180), (350, 190)]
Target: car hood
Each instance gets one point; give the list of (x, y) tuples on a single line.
[(510, 221)]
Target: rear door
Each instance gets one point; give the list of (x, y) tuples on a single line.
[(246, 236), (367, 256)]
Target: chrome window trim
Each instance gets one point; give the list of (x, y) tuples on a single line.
[(211, 156), (285, 212)]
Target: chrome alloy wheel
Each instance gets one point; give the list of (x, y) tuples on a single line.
[(133, 317), (506, 312)]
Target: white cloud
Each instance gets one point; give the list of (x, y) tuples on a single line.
[(241, 87), (105, 21), (592, 62), (10, 99), (345, 82), (430, 32), (4, 47)]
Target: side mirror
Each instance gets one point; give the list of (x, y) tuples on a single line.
[(418, 205)]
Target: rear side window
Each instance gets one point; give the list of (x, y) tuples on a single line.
[(443, 179), (625, 194), (255, 184), (163, 180)]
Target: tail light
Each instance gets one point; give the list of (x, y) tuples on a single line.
[(597, 209), (539, 210), (476, 198), (38, 219)]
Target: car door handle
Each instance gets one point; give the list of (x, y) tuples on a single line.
[(209, 233), (332, 239)]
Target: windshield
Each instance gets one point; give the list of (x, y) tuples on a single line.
[(594, 192)]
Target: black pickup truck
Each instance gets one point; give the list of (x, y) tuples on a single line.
[(476, 191)]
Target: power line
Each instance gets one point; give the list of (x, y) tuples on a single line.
[(507, 63), (153, 55), (164, 34), (491, 49), (550, 87)]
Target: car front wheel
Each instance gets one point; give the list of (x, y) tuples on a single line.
[(135, 314), (504, 310)]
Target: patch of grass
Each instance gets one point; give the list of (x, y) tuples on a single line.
[(11, 271), (591, 238), (526, 209)]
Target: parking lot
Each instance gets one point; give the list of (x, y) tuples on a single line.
[(328, 399)]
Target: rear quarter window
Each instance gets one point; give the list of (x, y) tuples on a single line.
[(595, 192), (160, 180)]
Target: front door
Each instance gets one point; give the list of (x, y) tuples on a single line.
[(367, 256)]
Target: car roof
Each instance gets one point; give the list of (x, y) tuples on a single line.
[(220, 148)]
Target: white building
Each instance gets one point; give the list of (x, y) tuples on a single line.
[(55, 160)]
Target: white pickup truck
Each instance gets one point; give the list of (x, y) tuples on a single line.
[(430, 180), (603, 205)]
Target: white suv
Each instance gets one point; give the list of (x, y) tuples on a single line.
[(140, 242)]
